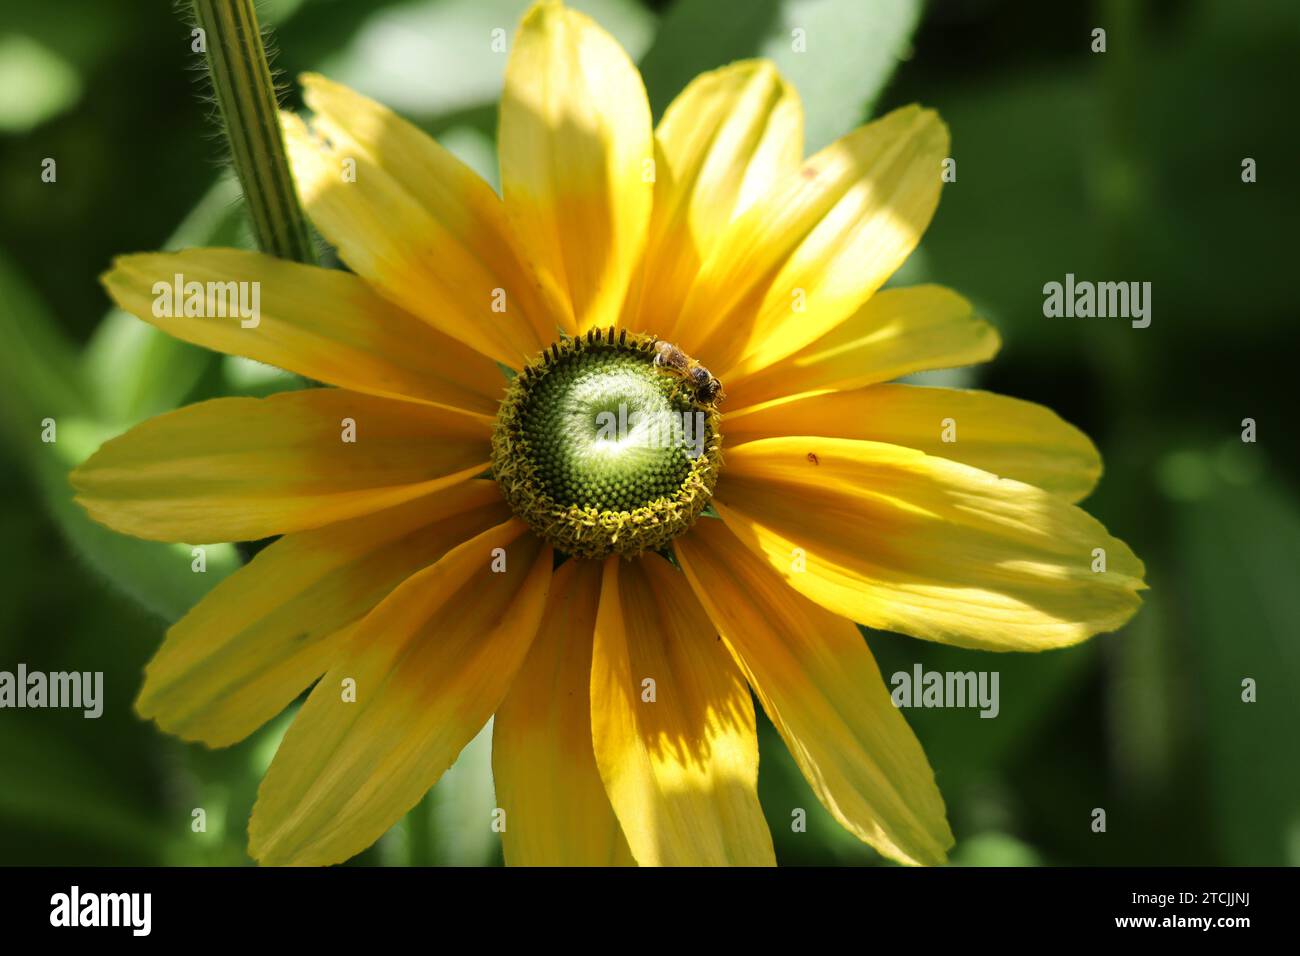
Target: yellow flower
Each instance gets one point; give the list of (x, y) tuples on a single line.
[(422, 598)]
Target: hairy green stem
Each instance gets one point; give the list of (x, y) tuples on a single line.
[(241, 80)]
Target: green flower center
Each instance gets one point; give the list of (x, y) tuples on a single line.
[(602, 447)]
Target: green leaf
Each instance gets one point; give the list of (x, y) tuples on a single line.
[(962, 746), (431, 59), (135, 371), (452, 825), (55, 787), (851, 49), (1241, 547), (39, 375), (1104, 145), (41, 380), (157, 576), (1039, 209), (839, 54)]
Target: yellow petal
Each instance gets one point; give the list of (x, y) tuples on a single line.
[(260, 637), (239, 469), (681, 769), (896, 332), (723, 144), (899, 540), (576, 157), (823, 691), (438, 247), (1004, 436), (796, 266), (429, 666), (325, 324), (547, 783), (452, 193)]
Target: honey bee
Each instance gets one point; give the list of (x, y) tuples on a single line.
[(707, 388)]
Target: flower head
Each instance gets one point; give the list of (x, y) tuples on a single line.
[(691, 484)]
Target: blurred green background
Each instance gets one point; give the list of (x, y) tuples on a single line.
[(1122, 166)]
